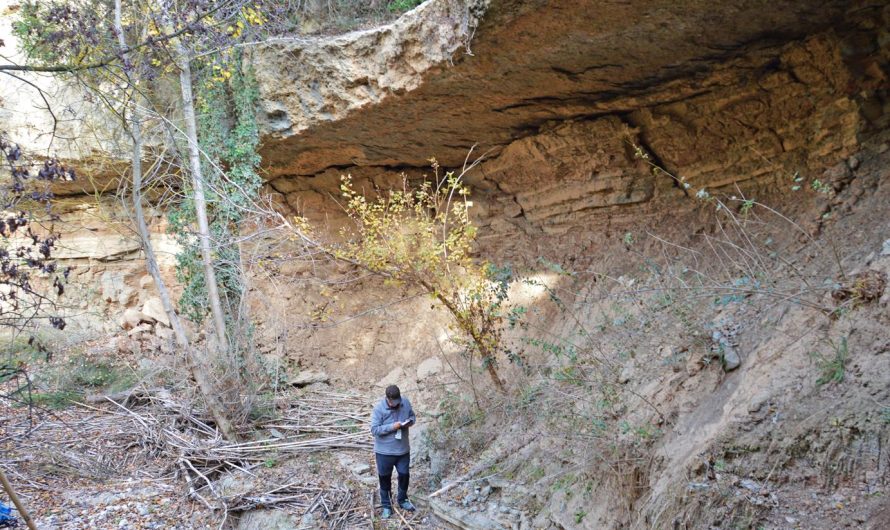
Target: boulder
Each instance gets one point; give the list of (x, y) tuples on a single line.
[(236, 484), (154, 310), (112, 285), (309, 377), (131, 318), (360, 468), (393, 377), (126, 295), (163, 332), (269, 520), (428, 368), (146, 282), (398, 376), (139, 330)]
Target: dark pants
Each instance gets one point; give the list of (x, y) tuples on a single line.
[(385, 463)]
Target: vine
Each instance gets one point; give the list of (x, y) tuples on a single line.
[(229, 138)]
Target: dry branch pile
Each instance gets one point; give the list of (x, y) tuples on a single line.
[(128, 434)]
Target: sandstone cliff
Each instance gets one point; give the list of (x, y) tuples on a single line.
[(602, 125)]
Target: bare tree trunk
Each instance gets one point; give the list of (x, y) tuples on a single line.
[(197, 365), (188, 111), (486, 352), (314, 8)]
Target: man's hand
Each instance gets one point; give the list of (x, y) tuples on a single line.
[(397, 425)]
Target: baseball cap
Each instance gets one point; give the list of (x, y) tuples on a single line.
[(394, 395)]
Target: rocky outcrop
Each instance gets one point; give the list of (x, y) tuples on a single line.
[(758, 122), (563, 98), (329, 78), (109, 288), (600, 124), (574, 167), (529, 64), (52, 118)]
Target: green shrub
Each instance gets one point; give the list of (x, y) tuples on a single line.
[(58, 384), (400, 6), (833, 368)]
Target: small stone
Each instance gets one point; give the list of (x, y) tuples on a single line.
[(749, 484), (853, 162), (757, 402), (731, 359), (694, 364), (626, 373), (360, 469), (125, 345), (885, 250)]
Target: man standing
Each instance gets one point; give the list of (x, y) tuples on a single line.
[(390, 421)]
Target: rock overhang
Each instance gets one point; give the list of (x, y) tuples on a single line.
[(445, 76)]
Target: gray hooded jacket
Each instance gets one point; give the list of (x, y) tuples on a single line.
[(382, 420)]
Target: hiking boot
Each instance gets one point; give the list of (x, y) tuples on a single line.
[(407, 506), (387, 513)]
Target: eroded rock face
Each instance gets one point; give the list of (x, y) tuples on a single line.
[(563, 99), (108, 285), (747, 120), (48, 117), (528, 64), (792, 115), (307, 82), (571, 168)]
